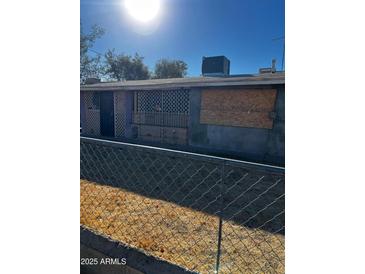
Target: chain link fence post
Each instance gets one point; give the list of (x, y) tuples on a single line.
[(204, 213), (219, 247)]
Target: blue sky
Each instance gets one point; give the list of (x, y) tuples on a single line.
[(242, 30)]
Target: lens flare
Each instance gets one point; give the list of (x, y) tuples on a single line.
[(143, 10)]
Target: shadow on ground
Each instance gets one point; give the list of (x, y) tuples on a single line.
[(247, 195)]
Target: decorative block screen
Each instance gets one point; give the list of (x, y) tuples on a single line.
[(161, 108), (238, 107), (171, 101), (119, 113), (92, 114)]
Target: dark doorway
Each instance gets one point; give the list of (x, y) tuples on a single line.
[(107, 114)]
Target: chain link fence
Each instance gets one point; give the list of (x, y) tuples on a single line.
[(206, 214)]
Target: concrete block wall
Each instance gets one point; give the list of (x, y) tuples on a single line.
[(276, 138), (265, 145), (160, 134), (252, 144)]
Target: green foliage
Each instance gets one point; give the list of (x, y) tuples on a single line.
[(121, 66), (125, 67), (165, 68), (89, 66)]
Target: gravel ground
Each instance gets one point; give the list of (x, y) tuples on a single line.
[(178, 234)]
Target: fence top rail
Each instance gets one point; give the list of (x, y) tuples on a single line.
[(178, 153)]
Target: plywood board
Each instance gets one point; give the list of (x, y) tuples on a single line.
[(238, 107)]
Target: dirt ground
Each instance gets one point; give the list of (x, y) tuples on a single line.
[(180, 235)]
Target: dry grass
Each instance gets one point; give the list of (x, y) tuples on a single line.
[(178, 234)]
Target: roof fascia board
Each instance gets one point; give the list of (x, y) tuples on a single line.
[(184, 85)]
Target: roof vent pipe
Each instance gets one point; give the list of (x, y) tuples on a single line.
[(272, 69), (273, 65)]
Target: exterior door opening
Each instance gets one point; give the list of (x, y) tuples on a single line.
[(107, 114)]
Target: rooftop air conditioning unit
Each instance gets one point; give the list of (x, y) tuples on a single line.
[(215, 66)]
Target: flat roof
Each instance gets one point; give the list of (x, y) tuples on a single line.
[(277, 78)]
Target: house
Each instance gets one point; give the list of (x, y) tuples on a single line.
[(238, 116)]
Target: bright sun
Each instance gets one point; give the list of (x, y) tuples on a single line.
[(142, 10)]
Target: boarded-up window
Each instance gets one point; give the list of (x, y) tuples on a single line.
[(238, 107)]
